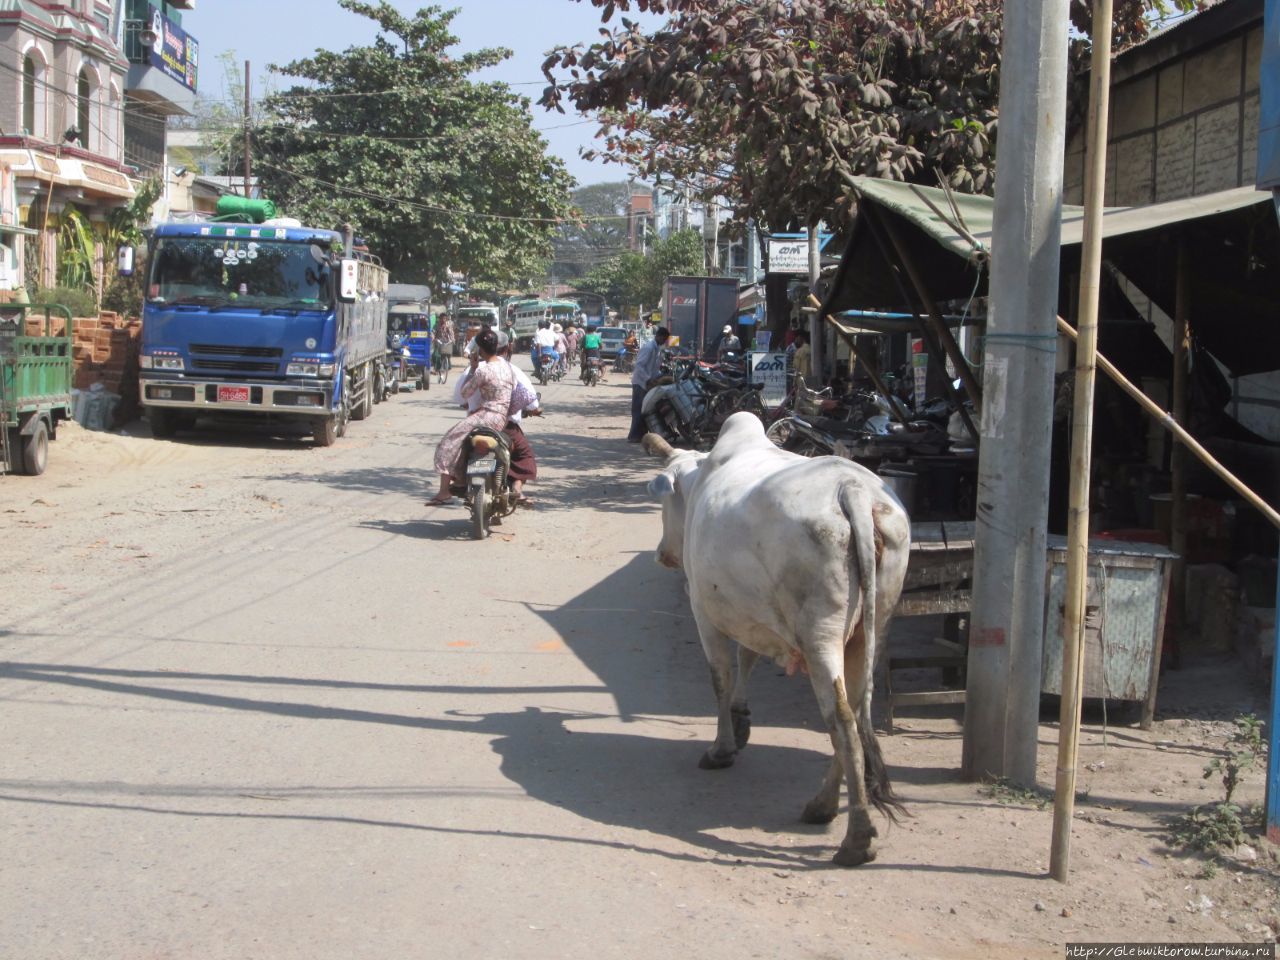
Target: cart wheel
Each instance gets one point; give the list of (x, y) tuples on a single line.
[(35, 450)]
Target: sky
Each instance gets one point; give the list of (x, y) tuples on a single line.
[(278, 31)]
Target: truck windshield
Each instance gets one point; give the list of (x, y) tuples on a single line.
[(233, 273)]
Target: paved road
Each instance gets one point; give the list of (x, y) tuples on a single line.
[(260, 702)]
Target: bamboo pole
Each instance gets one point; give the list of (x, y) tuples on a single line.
[(1168, 421), (1081, 444)]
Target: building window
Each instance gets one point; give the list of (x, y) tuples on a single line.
[(28, 95), (84, 92), (34, 94)]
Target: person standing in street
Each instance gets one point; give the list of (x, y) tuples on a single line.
[(801, 362), (648, 362)]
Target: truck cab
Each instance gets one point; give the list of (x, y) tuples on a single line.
[(259, 320)]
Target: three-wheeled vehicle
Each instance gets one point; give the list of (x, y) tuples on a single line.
[(35, 385), (409, 344)]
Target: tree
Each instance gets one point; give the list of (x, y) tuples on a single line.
[(633, 279), (597, 233), (434, 170), (774, 105)]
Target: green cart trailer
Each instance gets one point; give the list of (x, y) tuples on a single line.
[(35, 385)]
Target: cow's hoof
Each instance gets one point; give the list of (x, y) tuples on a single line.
[(854, 856), (817, 811), (741, 726), (716, 761)]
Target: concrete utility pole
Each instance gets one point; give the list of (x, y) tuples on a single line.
[(817, 333), (1007, 624)]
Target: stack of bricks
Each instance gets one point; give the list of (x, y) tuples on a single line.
[(104, 350)]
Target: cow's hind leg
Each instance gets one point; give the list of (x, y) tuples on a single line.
[(829, 686), (719, 652), (824, 807), (739, 712)]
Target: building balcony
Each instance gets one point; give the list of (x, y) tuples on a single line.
[(160, 74)]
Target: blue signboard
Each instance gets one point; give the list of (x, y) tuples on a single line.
[(175, 53), (1269, 122)]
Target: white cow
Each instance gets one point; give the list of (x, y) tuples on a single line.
[(797, 559)]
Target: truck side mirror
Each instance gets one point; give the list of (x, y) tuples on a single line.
[(348, 285), (124, 261)]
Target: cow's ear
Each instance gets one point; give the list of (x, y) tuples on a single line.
[(662, 485)]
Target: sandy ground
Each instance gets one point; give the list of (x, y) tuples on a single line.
[(260, 702)]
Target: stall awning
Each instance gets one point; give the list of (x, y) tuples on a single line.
[(1235, 248)]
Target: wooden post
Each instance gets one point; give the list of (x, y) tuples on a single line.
[(935, 317), (246, 129), (1178, 454), (1081, 444)]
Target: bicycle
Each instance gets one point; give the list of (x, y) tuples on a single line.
[(441, 362)]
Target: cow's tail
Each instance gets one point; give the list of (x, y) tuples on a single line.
[(866, 549)]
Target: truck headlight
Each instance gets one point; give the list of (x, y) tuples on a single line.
[(161, 363), (304, 369), (326, 369)]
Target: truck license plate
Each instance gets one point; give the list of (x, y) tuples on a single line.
[(233, 394), (480, 468)]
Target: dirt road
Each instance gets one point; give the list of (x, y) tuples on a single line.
[(259, 701)]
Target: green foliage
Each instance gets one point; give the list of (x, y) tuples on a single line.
[(78, 300), (436, 171), (774, 105), (597, 232), (1208, 829), (124, 224), (1004, 790), (124, 294), (1226, 825), (1245, 750), (76, 251), (633, 280)]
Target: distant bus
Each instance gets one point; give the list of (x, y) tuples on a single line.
[(524, 316)]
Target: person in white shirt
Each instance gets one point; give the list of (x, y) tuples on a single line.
[(544, 345), (648, 363)]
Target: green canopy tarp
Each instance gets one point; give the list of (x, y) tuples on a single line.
[(1234, 288)]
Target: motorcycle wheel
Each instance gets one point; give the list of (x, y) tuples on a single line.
[(479, 514)]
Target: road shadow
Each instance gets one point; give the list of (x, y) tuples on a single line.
[(641, 783)]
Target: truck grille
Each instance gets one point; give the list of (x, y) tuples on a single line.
[(223, 350), (236, 366)]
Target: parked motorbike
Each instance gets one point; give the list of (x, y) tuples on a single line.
[(487, 491), (625, 361), (394, 368), (690, 408)]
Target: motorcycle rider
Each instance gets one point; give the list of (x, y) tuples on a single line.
[(562, 342), (524, 403), (544, 345), (729, 342), (648, 362), (590, 350)]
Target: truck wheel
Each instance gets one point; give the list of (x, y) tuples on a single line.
[(164, 423), (35, 450), (325, 432), (364, 408)]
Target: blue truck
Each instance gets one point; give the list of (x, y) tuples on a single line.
[(261, 320)]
